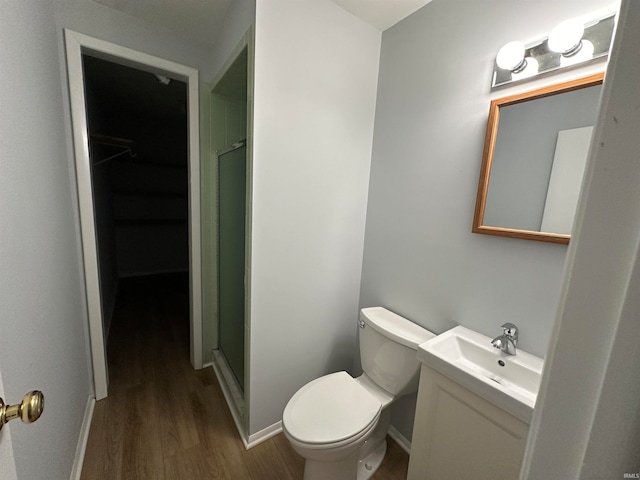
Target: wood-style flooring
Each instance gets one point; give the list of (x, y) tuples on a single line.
[(165, 420)]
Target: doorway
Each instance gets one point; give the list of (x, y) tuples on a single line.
[(77, 46), (137, 125)]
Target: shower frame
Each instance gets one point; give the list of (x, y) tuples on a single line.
[(238, 404)]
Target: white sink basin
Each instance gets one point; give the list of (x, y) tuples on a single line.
[(510, 382)]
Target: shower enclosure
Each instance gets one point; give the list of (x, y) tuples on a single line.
[(232, 177), (227, 229)]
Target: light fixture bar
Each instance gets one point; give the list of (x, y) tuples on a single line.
[(569, 43)]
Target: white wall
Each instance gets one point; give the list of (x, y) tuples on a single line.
[(315, 81), (42, 307), (420, 258)]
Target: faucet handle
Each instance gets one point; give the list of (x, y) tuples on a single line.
[(510, 330)]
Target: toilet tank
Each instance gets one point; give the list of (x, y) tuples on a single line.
[(388, 349)]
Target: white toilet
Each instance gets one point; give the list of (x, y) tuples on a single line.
[(339, 423)]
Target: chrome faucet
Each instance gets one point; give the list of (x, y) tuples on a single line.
[(508, 341)]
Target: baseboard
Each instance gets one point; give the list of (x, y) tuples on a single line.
[(83, 438), (400, 439), (276, 428), (231, 404), (264, 434)]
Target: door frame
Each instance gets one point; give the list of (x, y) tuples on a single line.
[(78, 44)]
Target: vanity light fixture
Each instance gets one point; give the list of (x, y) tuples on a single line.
[(511, 57), (531, 68), (583, 54), (570, 43), (566, 37)]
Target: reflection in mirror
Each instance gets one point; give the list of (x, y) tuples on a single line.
[(569, 162), (534, 159)]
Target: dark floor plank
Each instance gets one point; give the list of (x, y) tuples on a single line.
[(395, 464), (142, 447), (104, 446), (195, 462), (265, 462), (294, 462)]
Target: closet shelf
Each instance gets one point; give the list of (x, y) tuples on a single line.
[(151, 222), (161, 165), (152, 194), (110, 139)]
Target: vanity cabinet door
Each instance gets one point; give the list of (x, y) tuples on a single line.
[(457, 434)]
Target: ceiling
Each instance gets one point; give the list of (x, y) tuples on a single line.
[(381, 14), (128, 93), (195, 20), (199, 20)]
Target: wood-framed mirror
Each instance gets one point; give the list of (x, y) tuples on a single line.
[(533, 161)]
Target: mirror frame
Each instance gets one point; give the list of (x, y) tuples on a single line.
[(489, 147)]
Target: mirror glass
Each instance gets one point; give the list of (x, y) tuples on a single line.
[(535, 153)]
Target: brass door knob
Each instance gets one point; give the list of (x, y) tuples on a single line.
[(29, 410)]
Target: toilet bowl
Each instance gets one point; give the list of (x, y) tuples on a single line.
[(338, 423), (327, 422)]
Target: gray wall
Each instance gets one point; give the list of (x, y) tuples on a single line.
[(420, 258), (105, 23), (96, 20), (42, 296), (7, 463)]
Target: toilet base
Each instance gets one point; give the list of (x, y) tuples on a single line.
[(343, 470), (375, 446), (367, 466)]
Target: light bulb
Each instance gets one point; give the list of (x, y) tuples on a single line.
[(531, 69), (566, 36), (585, 53), (511, 56)]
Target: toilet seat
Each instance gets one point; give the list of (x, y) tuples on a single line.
[(331, 411)]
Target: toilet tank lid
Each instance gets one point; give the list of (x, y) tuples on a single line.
[(395, 327)]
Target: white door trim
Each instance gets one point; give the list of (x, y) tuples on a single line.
[(78, 44)]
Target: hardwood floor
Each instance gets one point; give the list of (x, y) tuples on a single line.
[(165, 420)]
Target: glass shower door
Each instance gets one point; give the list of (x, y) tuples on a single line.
[(231, 257)]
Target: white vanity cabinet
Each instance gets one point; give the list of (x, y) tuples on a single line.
[(458, 434)]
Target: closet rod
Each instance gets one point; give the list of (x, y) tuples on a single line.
[(126, 148)]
